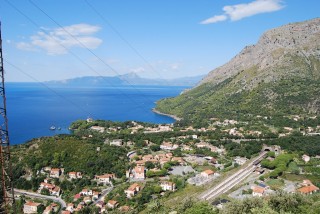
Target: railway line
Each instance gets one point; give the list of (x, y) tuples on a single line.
[(233, 180)]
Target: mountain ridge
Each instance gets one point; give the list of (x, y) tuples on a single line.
[(126, 79), (270, 50), (280, 75)]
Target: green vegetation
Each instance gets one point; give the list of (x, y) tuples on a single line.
[(72, 154), (279, 165), (298, 143), (275, 204), (89, 152), (294, 95), (275, 184)]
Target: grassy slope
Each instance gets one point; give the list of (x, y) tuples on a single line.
[(294, 90)]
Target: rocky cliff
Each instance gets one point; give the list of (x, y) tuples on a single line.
[(280, 75), (275, 51)]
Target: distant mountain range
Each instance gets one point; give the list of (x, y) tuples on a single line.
[(280, 75), (126, 79)]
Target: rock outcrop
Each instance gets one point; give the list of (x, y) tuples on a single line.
[(275, 48)]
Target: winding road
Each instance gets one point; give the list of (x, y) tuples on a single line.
[(36, 195)]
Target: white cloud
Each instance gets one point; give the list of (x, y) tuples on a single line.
[(138, 70), (59, 40), (175, 66), (77, 30), (214, 19), (240, 11), (25, 46)]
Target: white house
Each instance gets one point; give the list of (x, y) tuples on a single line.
[(105, 179), (139, 172), (258, 191), (31, 207), (75, 175), (132, 190), (112, 204), (70, 207), (56, 191), (306, 158), (55, 173), (240, 160), (116, 142), (207, 173), (98, 128), (168, 146), (86, 192), (167, 185)]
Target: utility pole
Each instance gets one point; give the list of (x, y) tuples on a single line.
[(7, 199)]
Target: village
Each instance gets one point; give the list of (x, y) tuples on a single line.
[(191, 159)]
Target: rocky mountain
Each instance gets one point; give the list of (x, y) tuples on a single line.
[(126, 79), (276, 49), (278, 75)]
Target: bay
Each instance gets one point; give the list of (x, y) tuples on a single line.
[(32, 108)]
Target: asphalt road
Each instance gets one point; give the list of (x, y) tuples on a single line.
[(36, 195), (103, 193)]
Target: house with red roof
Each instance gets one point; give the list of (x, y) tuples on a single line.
[(76, 196), (207, 173), (112, 204), (31, 207), (55, 173), (105, 179), (75, 175), (308, 188), (258, 191), (132, 190)]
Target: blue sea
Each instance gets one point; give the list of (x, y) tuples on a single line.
[(32, 108)]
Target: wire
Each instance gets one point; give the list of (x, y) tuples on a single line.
[(123, 39), (53, 91), (61, 96), (83, 45), (73, 54)]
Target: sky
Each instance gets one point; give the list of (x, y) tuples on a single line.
[(59, 39)]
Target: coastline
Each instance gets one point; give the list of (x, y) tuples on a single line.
[(169, 115)]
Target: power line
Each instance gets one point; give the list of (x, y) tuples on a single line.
[(6, 176), (123, 39), (72, 53), (83, 45), (52, 90), (58, 94)]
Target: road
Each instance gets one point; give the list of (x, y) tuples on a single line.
[(103, 193), (231, 181), (36, 195)]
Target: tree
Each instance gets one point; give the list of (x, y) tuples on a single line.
[(155, 147), (154, 206), (41, 208), (157, 189), (271, 154), (263, 210), (201, 208), (149, 165), (242, 206), (45, 191)]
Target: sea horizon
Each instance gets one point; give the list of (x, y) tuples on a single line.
[(32, 108)]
